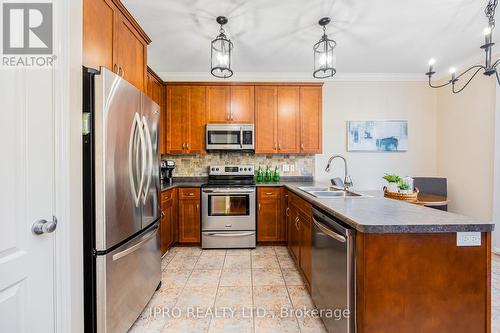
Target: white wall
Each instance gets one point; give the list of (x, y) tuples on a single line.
[(378, 100), (466, 146)]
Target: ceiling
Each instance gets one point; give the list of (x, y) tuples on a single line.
[(276, 36)]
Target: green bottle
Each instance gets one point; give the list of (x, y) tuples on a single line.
[(276, 175), (267, 175), (260, 175)]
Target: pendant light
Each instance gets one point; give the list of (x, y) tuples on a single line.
[(221, 52), (324, 59)]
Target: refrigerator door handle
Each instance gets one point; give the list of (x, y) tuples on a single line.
[(136, 246), (131, 150), (149, 157), (136, 125)]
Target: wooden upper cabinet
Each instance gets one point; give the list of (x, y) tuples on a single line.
[(186, 119), (195, 139), (218, 104), (288, 120), (131, 52), (242, 105), (266, 119), (155, 90), (311, 136), (98, 32), (177, 106), (113, 39), (230, 104)]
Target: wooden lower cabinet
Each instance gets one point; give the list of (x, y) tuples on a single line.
[(269, 212), (168, 220), (299, 234), (189, 215)]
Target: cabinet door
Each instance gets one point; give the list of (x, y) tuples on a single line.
[(177, 106), (167, 221), (189, 215), (288, 120), (311, 120), (195, 136), (242, 105), (266, 120), (129, 52), (269, 214), (218, 104), (98, 23), (305, 245)]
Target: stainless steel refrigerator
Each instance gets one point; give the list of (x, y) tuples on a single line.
[(122, 261)]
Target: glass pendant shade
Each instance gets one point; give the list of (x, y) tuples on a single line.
[(324, 58), (221, 48)]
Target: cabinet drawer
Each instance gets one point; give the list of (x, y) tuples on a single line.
[(268, 192), (189, 193), (167, 195)]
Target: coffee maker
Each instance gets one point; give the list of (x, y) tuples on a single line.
[(166, 171)]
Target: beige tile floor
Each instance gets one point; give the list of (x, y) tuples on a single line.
[(238, 280), (199, 285)]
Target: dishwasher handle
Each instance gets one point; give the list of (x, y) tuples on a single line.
[(329, 232)]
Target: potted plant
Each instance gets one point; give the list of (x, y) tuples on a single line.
[(393, 181), (404, 187)]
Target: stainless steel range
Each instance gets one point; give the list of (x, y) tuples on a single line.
[(228, 208)]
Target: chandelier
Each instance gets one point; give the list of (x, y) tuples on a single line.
[(488, 68), (324, 58), (221, 52)]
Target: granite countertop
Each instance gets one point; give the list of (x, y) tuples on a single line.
[(372, 213), (375, 214)]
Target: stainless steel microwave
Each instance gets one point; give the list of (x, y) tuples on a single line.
[(230, 137)]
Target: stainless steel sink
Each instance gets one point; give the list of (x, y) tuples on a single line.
[(329, 192)]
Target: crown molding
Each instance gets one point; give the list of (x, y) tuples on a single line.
[(288, 77)]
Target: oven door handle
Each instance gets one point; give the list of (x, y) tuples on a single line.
[(229, 191), (240, 234)]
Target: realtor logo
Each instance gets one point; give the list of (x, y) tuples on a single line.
[(27, 34)]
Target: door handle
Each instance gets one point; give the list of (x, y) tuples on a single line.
[(136, 191), (149, 157), (137, 246), (241, 136), (329, 232), (43, 226)]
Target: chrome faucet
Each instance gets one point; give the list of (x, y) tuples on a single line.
[(347, 179)]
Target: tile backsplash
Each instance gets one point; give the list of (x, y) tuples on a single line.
[(197, 165)]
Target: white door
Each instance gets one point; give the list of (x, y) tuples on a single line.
[(27, 301)]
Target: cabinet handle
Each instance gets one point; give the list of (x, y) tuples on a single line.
[(115, 68), (231, 115), (123, 71), (162, 214), (259, 206), (274, 147), (191, 194), (227, 116), (287, 211), (269, 193), (197, 206), (279, 146), (187, 145), (302, 146), (297, 223)]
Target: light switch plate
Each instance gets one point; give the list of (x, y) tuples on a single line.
[(468, 239)]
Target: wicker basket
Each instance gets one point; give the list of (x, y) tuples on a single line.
[(408, 197)]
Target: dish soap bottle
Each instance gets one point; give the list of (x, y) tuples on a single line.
[(276, 175), (260, 175), (267, 175)]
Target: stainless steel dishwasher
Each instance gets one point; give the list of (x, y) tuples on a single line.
[(333, 272)]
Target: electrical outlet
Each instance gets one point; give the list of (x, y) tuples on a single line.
[(286, 168), (468, 239)]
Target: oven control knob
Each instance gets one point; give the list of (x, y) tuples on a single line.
[(245, 169), (241, 169), (217, 169), (213, 169)]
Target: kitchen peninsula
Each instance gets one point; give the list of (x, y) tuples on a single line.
[(409, 275)]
